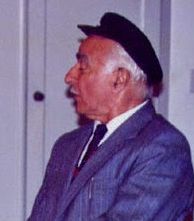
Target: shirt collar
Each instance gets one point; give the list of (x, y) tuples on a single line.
[(113, 124)]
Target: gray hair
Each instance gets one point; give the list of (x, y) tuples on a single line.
[(127, 62), (124, 60)]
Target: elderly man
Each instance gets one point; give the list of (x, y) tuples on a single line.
[(130, 164)]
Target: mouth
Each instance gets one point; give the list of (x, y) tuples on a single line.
[(74, 92), (71, 92)]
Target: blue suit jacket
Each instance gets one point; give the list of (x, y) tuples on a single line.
[(143, 172)]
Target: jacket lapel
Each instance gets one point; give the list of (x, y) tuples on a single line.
[(127, 131), (76, 145)]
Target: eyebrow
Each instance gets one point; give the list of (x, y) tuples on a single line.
[(82, 59), (80, 56)]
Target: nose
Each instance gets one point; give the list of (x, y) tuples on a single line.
[(71, 75)]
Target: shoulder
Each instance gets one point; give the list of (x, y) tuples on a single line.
[(167, 132), (165, 145), (155, 128), (161, 135)]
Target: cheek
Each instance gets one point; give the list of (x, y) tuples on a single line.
[(86, 88), (94, 90), (86, 84)]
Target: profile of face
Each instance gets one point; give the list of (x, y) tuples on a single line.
[(91, 80)]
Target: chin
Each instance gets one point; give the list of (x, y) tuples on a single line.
[(80, 110), (85, 113)]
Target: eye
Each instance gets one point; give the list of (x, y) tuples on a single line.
[(81, 69), (82, 66), (82, 61)]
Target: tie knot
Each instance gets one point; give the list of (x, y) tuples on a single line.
[(101, 129), (99, 133)]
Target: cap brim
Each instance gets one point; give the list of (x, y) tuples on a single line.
[(90, 30)]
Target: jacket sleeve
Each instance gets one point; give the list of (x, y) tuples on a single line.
[(159, 187)]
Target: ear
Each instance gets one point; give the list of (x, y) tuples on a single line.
[(121, 79)]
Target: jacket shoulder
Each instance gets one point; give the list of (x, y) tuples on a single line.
[(167, 131)]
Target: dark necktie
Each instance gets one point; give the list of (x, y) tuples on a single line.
[(92, 147)]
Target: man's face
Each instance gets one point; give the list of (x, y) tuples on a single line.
[(90, 80)]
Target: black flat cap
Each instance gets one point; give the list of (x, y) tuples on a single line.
[(132, 39)]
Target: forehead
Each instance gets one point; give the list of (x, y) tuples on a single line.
[(96, 45)]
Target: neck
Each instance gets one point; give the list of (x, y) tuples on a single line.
[(115, 111)]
